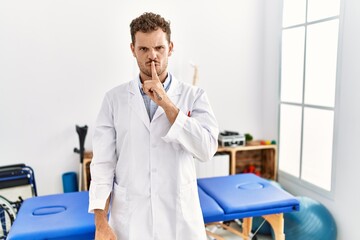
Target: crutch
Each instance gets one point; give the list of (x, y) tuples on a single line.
[(82, 134)]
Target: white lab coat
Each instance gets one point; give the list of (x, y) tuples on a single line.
[(149, 166)]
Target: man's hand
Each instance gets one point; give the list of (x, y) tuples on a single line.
[(104, 232), (154, 88)]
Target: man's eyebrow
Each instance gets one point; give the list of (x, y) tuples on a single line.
[(157, 46)]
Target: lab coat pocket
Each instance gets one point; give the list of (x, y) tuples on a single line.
[(120, 205), (188, 202)]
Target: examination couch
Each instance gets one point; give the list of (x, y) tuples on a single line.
[(241, 196), (244, 196)]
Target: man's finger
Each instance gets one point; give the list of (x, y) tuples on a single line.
[(153, 71)]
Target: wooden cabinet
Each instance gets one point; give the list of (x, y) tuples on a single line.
[(86, 170), (260, 159)]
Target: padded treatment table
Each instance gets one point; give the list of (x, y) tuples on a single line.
[(58, 216), (244, 196)]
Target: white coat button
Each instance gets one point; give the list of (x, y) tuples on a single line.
[(154, 170)]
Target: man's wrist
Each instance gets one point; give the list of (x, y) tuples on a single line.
[(100, 218), (170, 109)]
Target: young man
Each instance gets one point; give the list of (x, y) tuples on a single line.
[(147, 134)]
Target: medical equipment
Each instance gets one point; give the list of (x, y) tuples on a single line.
[(17, 175), (58, 216), (65, 216), (230, 138), (17, 182), (313, 221), (81, 131), (7, 216), (244, 196)]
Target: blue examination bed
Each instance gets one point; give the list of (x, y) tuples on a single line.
[(242, 196), (58, 216)]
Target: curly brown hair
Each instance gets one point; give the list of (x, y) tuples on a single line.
[(148, 22)]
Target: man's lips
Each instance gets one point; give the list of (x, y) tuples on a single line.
[(149, 63)]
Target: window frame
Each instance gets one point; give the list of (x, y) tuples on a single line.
[(298, 181)]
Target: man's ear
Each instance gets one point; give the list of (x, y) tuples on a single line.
[(171, 48), (132, 47)]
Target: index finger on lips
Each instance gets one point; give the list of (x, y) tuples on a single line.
[(153, 71)]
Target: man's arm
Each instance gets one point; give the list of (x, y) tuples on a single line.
[(171, 111), (197, 131), (103, 230)]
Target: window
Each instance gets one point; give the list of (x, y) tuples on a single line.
[(308, 86)]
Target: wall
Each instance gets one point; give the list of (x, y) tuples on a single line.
[(58, 58), (343, 204)]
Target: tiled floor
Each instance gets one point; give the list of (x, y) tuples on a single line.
[(230, 236)]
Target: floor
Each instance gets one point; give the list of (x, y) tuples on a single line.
[(230, 236)]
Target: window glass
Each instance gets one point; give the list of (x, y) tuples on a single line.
[(308, 88), (290, 135), (318, 9), (321, 55), (292, 64), (293, 12), (317, 147)]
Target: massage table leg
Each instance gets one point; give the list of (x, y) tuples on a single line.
[(277, 223), (275, 220), (247, 226)]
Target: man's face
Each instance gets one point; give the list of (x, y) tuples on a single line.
[(149, 47)]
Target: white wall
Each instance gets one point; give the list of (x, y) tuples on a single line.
[(57, 59), (344, 204)]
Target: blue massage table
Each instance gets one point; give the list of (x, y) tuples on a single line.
[(58, 216), (242, 196)]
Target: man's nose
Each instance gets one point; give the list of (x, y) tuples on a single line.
[(152, 54)]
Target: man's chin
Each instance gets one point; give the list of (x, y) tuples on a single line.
[(147, 74)]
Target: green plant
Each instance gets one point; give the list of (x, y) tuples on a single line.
[(248, 137)]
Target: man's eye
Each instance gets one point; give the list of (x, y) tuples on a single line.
[(143, 49), (159, 48)]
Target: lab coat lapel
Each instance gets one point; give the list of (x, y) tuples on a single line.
[(137, 104), (174, 93)]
